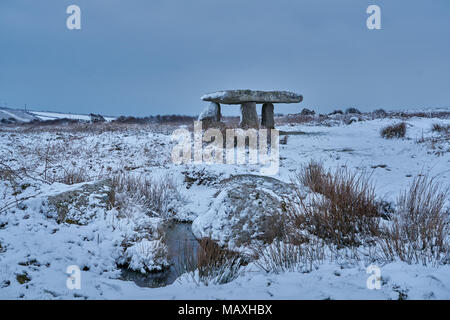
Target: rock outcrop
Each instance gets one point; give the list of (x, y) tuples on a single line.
[(247, 208), (82, 204)]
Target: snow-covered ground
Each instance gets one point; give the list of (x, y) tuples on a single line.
[(58, 115), (17, 115), (35, 250), (27, 116)]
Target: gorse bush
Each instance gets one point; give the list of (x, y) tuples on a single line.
[(394, 131)]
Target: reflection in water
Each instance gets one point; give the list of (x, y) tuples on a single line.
[(178, 237)]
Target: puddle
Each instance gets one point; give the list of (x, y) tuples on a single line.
[(178, 235)]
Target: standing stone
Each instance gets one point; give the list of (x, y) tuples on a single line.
[(218, 113), (267, 119), (211, 113), (249, 117)]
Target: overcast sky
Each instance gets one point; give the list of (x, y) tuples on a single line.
[(147, 57)]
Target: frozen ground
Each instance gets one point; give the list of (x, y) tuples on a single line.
[(35, 249)]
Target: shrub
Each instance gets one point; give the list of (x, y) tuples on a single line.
[(157, 196), (307, 112), (336, 112), (379, 113), (419, 231), (440, 128), (72, 176), (199, 178), (217, 264), (394, 131), (7, 173), (281, 257), (352, 111), (343, 211), (412, 114), (313, 176), (293, 118), (132, 120), (55, 122)]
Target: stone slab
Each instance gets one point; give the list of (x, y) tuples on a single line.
[(243, 96)]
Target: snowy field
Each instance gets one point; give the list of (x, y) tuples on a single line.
[(58, 207), (57, 115), (27, 116)]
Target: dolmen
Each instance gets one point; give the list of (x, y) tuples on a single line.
[(248, 100)]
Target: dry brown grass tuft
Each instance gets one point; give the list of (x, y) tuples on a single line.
[(313, 176), (394, 131), (154, 195), (210, 263), (344, 212), (445, 129), (7, 173), (72, 176), (281, 257), (420, 229), (216, 263)]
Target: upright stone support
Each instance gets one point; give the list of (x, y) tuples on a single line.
[(211, 113), (249, 117), (267, 119), (218, 114)]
